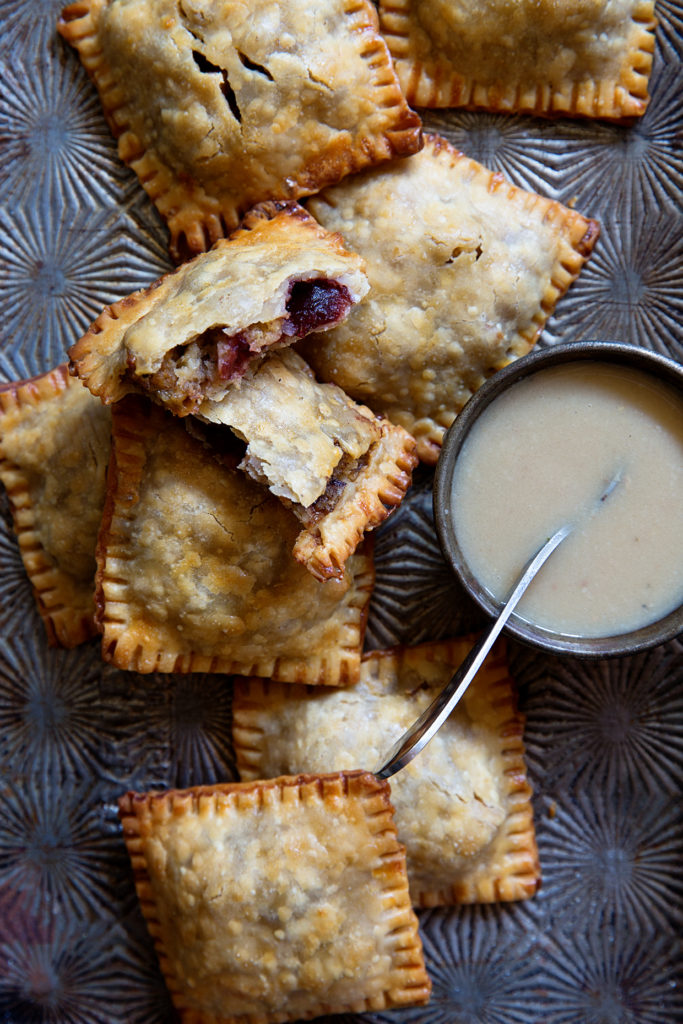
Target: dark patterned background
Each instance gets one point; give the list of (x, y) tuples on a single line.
[(601, 942)]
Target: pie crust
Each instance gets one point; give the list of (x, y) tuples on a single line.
[(195, 572), (339, 467), (54, 449), (576, 58), (463, 806), (276, 901), (219, 105), (191, 334), (464, 271)]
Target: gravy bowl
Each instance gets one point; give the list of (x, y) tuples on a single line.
[(636, 532)]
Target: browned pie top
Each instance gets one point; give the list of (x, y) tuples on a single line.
[(277, 900), (54, 450), (577, 57), (219, 104), (196, 569)]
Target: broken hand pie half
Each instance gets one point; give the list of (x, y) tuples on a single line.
[(276, 901), (195, 571), (54, 450), (218, 105), (464, 270), (340, 468), (582, 58), (188, 336), (463, 807)]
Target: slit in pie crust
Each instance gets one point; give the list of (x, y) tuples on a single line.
[(54, 449), (276, 901), (464, 271), (192, 333), (463, 807), (219, 105), (340, 468), (195, 571), (575, 58)]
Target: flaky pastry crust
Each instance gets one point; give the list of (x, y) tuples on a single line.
[(195, 572), (340, 468), (464, 271), (276, 901), (575, 58), (54, 449), (190, 334), (218, 105), (463, 806)]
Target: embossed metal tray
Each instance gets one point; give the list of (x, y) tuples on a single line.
[(601, 942)]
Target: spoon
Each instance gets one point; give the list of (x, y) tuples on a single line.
[(433, 717)]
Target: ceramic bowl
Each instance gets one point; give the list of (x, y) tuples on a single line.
[(660, 367)]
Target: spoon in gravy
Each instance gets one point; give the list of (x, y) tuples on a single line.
[(433, 717)]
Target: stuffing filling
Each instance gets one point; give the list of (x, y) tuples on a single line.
[(192, 372)]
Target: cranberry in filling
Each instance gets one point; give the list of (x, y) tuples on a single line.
[(313, 304), (233, 354)]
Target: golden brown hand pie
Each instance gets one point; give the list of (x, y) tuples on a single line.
[(195, 571), (276, 901), (584, 58), (218, 105), (463, 806), (189, 335), (339, 467), (464, 270), (54, 449)]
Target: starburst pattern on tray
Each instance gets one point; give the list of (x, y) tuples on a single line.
[(51, 720), (18, 613), (139, 708), (416, 596), (56, 277), (201, 731), (598, 977), (631, 288), (525, 150), (607, 723), (481, 972), (29, 26), (58, 145), (607, 856), (55, 851), (642, 162), (60, 972), (670, 27)]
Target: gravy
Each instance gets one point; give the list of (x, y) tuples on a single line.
[(542, 454)]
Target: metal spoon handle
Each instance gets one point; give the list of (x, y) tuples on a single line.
[(431, 719)]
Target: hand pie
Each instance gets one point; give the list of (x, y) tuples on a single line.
[(583, 58), (276, 901), (195, 572), (339, 467), (464, 271), (218, 105), (54, 450), (189, 335), (462, 806)]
